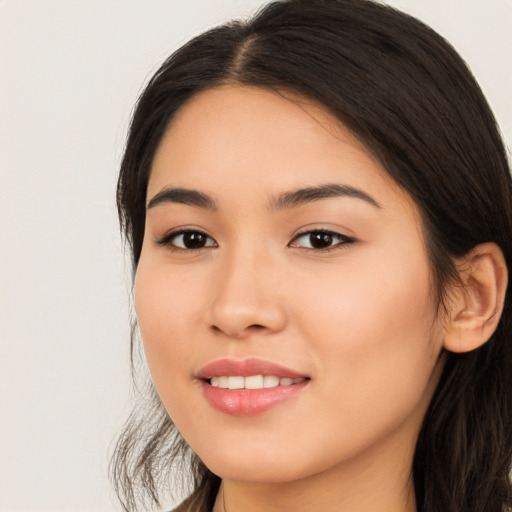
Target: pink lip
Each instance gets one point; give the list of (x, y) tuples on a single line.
[(248, 402), (245, 368)]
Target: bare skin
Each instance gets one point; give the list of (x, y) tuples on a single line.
[(337, 288)]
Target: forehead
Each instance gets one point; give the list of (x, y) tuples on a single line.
[(231, 137)]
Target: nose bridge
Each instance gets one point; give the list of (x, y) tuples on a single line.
[(246, 296)]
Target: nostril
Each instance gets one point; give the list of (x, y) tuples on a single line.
[(238, 333)]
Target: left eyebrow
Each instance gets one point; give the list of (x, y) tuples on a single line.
[(311, 194)]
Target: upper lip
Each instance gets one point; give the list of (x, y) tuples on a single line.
[(245, 368)]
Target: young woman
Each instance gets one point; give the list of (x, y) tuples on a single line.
[(318, 205)]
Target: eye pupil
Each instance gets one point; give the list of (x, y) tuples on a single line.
[(320, 240), (194, 240)]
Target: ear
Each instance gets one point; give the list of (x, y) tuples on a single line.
[(476, 306)]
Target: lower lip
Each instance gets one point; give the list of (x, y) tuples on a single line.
[(249, 402)]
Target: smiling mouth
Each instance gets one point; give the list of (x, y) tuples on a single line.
[(237, 382), (250, 386)]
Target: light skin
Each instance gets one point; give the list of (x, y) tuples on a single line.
[(360, 320)]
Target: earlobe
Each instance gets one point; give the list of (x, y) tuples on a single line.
[(476, 306)]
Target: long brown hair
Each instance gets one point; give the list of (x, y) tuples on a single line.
[(407, 95)]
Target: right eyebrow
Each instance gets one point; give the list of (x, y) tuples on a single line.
[(308, 195), (183, 196)]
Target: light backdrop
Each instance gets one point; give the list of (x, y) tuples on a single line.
[(70, 72)]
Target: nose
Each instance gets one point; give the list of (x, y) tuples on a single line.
[(247, 298)]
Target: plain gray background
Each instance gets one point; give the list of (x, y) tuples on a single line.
[(70, 72)]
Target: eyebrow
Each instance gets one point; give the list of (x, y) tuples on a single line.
[(311, 194), (286, 200), (183, 196)]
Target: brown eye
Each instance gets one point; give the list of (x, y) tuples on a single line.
[(187, 240), (194, 240), (321, 240)]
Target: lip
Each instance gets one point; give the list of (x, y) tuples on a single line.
[(248, 402), (245, 368)]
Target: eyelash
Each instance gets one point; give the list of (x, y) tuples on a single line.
[(343, 240), (167, 240)]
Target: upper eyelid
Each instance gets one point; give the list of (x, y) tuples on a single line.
[(345, 240), (321, 230), (170, 235)]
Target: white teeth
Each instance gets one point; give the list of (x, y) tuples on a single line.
[(270, 381), (236, 382), (252, 381)]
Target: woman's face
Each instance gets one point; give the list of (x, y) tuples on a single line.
[(276, 248)]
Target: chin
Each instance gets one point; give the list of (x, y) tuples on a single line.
[(254, 472), (251, 465)]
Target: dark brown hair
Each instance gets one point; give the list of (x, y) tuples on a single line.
[(407, 95)]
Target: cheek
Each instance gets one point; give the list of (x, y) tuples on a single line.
[(166, 304), (364, 298), (374, 333)]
